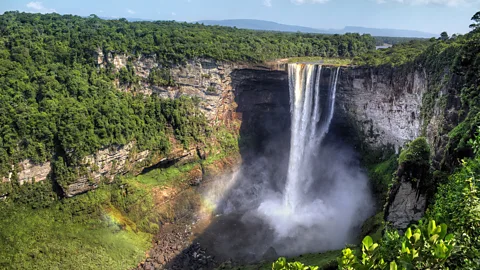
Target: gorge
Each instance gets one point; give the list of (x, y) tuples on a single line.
[(276, 191), (140, 148)]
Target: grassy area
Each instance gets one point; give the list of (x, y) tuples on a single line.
[(164, 177), (327, 260), (80, 233), (323, 60)]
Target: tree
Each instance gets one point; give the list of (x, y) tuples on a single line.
[(444, 36), (476, 19)]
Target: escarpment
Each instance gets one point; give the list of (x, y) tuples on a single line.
[(378, 108), (208, 81)]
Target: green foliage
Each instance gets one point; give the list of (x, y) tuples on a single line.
[(397, 55), (282, 264), (374, 226), (102, 229), (323, 60), (476, 19), (416, 152), (126, 75), (458, 205), (161, 77), (211, 89), (168, 176), (426, 246), (393, 40), (172, 42), (381, 175)]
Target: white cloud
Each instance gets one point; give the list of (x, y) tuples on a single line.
[(38, 6), (435, 2), (300, 2), (174, 14), (267, 3), (131, 11)]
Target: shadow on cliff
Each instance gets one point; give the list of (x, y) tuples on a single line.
[(262, 97)]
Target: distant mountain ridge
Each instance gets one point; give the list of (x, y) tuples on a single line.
[(273, 26)]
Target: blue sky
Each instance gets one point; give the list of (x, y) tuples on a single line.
[(431, 16)]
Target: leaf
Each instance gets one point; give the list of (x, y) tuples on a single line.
[(393, 265), (434, 238), (367, 241), (449, 237), (408, 233), (431, 227), (416, 237), (444, 230)]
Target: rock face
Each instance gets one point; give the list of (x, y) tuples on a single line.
[(263, 105), (104, 165), (207, 79), (381, 106), (408, 205), (32, 172)]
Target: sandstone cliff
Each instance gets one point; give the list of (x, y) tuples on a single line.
[(378, 108)]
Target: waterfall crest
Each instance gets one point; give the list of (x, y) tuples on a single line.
[(311, 120)]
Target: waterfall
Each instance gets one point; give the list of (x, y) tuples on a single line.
[(326, 194), (311, 118)]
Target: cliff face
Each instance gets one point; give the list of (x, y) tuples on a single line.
[(377, 107), (207, 79), (382, 107)]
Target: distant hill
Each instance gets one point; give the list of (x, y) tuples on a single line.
[(262, 25), (386, 32), (273, 26)]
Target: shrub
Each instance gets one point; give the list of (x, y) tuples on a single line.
[(282, 264), (426, 246), (417, 152)]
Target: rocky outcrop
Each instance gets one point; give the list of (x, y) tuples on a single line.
[(207, 79), (408, 205), (30, 171), (381, 106), (408, 196), (118, 160)]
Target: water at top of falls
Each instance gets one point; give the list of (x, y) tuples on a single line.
[(311, 118)]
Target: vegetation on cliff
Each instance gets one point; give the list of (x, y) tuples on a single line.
[(55, 102)]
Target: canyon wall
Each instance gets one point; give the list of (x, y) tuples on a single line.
[(378, 108), (381, 106)]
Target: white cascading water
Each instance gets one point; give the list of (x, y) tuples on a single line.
[(326, 194), (310, 124)]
